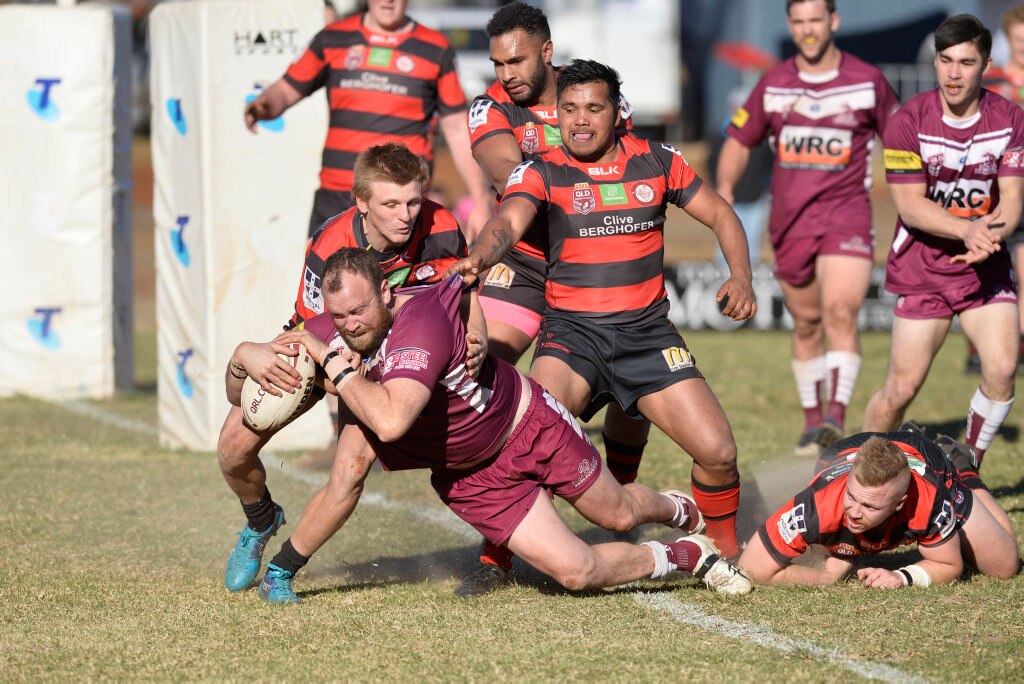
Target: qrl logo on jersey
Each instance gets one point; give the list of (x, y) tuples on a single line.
[(501, 276), (583, 201), (354, 57), (531, 141), (677, 358)]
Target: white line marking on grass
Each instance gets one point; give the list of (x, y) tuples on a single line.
[(761, 636), (440, 516)]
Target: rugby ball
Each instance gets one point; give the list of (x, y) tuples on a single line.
[(264, 412)]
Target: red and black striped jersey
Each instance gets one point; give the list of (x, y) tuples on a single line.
[(380, 88), (937, 501), (535, 129), (605, 226), (435, 244)]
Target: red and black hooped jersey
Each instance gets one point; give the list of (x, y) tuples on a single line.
[(605, 223), (435, 244), (535, 130), (937, 504), (380, 88)]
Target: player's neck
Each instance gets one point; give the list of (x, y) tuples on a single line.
[(829, 61), (376, 240), (964, 110), (371, 25), (548, 97)]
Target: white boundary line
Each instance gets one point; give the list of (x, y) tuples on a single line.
[(677, 610)]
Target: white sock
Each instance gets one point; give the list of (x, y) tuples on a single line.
[(810, 375), (984, 418), (679, 518), (840, 383), (661, 565)]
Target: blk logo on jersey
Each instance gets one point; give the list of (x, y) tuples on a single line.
[(810, 147), (274, 125), (677, 358), (41, 327), (792, 523), (177, 115), (178, 245), (583, 200), (40, 98), (185, 385)]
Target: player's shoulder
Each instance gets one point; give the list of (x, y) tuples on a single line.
[(857, 67), (350, 24), (429, 35), (916, 110), (335, 233), (496, 93), (436, 218), (994, 103), (782, 74)]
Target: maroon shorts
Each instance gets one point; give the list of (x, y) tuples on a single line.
[(992, 290), (795, 257), (547, 451)]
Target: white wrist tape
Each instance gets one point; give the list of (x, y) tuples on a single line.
[(915, 576)]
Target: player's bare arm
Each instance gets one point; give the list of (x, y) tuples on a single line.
[(476, 333), (271, 103), (764, 569), (918, 211), (941, 564), (261, 362), (499, 236), (456, 134), (732, 162), (498, 156), (737, 294)]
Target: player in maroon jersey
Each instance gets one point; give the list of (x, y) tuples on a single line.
[(606, 334), (880, 491), (413, 240), (515, 119), (385, 77), (496, 445), (822, 109), (954, 160)]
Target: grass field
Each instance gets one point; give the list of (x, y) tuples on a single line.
[(112, 554)]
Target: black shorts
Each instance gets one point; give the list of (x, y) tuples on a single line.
[(328, 204), (620, 362), (517, 279)]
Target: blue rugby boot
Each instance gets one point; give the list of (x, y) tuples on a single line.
[(244, 562), (276, 586)]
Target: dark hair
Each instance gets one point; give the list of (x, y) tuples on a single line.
[(351, 260), (519, 15), (963, 28), (830, 5), (580, 71), (388, 163)]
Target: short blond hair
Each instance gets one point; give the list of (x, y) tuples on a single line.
[(879, 462), (388, 163), (1014, 15)]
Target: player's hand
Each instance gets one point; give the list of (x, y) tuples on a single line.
[(879, 578), (476, 352), (736, 299), (980, 237), (255, 111), (262, 363), (470, 267), (316, 347)]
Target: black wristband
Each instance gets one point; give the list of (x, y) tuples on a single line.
[(331, 355), (345, 371), (906, 576)]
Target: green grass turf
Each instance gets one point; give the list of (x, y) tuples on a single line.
[(112, 553)]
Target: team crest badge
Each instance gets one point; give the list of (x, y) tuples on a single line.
[(935, 164), (405, 64), (989, 166), (354, 57), (531, 141), (643, 193), (583, 201)]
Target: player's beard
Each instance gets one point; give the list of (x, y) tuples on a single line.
[(370, 337), (533, 87), (817, 53)]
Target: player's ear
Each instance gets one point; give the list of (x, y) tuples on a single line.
[(903, 500), (385, 291), (547, 51)]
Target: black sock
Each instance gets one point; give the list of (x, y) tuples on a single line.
[(288, 558), (260, 514)]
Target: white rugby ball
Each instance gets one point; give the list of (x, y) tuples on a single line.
[(262, 411)]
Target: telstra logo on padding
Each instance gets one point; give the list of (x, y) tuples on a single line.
[(184, 382), (178, 242), (40, 98), (177, 114), (41, 326), (275, 125)]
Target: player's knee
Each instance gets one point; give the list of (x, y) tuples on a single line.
[(999, 372), (807, 328), (840, 316), (236, 445), (899, 392), (719, 457), (578, 575)]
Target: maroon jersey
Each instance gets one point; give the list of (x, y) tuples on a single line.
[(960, 163), (465, 419), (380, 88), (822, 132), (937, 504), (435, 244), (605, 222), (535, 129)]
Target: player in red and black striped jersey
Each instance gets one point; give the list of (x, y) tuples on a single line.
[(385, 77), (880, 491), (514, 120), (606, 335)]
